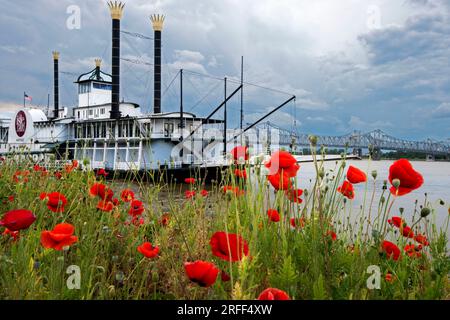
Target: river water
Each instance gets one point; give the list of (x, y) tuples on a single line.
[(436, 184)]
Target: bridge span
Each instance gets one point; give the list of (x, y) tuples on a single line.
[(375, 141)]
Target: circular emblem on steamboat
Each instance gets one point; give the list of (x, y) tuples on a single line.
[(21, 123)]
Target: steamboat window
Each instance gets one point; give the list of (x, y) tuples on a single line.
[(102, 111), (168, 129), (130, 129), (84, 88), (91, 112), (102, 86)]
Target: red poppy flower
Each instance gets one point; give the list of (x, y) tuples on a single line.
[(137, 221), (102, 172), (164, 220), (38, 168), (136, 208), (102, 191), (355, 175), (55, 201), (294, 195), (105, 205), (228, 247), (61, 236), (397, 221), (11, 198), (274, 215), (280, 181), (204, 193), (127, 195), (297, 222), (58, 175), (239, 153), (347, 190), (13, 234), (332, 235), (69, 167), (18, 219), (148, 250), (21, 176), (281, 160), (273, 294), (234, 190), (188, 194), (413, 251), (189, 180), (389, 277), (240, 173), (201, 272), (420, 238), (407, 232), (391, 250), (225, 277), (409, 178)]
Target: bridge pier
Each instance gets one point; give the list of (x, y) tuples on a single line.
[(430, 157)]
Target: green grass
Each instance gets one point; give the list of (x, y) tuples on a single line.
[(304, 262)]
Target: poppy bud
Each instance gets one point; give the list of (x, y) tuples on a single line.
[(382, 199), (120, 276), (441, 202), (313, 140), (155, 277), (425, 212), (86, 162), (375, 233), (396, 183), (374, 174), (401, 210), (321, 173), (305, 192)]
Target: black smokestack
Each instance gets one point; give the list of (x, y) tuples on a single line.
[(116, 9), (157, 21), (55, 84)]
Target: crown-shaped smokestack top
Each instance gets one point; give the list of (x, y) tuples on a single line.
[(116, 9), (98, 62), (55, 55), (157, 21)]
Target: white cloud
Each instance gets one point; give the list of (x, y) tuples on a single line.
[(442, 111), (366, 125)]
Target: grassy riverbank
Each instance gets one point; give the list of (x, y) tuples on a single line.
[(308, 246)]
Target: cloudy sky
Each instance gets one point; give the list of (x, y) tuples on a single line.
[(353, 64)]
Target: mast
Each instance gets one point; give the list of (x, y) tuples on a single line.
[(225, 118), (181, 100), (242, 92)]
